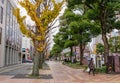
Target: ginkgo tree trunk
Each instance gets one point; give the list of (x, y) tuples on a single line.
[(48, 11)]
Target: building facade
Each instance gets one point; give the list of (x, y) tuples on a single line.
[(2, 30), (26, 45), (11, 38)]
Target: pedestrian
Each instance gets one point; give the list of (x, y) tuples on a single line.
[(91, 67), (110, 68)]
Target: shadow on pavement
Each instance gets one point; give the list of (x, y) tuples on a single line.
[(27, 76), (23, 72)]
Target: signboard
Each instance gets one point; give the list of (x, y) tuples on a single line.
[(66, 50)]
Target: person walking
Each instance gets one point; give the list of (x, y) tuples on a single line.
[(91, 67)]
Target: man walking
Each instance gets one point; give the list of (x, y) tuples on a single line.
[(91, 67)]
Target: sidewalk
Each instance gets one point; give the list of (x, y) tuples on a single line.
[(59, 73), (64, 74), (45, 76)]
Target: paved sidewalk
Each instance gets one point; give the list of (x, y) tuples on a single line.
[(62, 74)]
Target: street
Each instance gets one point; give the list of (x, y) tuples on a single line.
[(58, 73)]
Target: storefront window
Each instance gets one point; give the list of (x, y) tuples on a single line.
[(1, 15)]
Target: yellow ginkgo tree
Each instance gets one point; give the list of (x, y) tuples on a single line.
[(43, 13)]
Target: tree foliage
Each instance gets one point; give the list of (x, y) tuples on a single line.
[(47, 15), (43, 13), (56, 49), (104, 12), (100, 48), (58, 46), (114, 43), (82, 28)]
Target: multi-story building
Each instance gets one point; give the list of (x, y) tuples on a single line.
[(2, 30), (11, 39)]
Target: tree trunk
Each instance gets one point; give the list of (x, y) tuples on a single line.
[(59, 57), (103, 28), (106, 51), (71, 52), (35, 71), (75, 54), (43, 57), (81, 54), (40, 60)]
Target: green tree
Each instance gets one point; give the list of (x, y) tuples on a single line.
[(64, 38), (83, 31), (80, 28), (104, 12), (114, 43), (56, 51), (59, 43), (99, 48), (69, 44)]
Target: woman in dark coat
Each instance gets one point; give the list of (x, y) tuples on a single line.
[(91, 67)]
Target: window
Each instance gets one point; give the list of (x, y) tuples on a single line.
[(2, 1), (1, 15), (8, 8), (0, 35)]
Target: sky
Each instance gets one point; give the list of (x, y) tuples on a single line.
[(56, 30)]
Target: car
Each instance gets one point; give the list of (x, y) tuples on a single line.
[(26, 61)]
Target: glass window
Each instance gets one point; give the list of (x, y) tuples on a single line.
[(0, 35), (1, 15), (7, 30), (2, 1), (8, 8), (7, 27)]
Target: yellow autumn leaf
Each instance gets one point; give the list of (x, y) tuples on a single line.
[(47, 15)]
